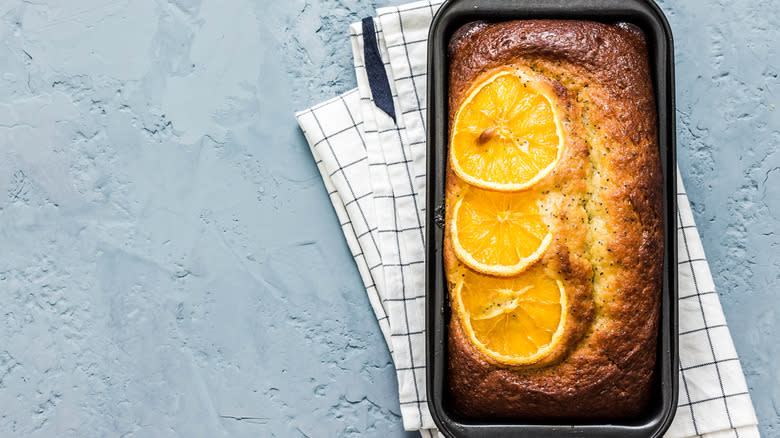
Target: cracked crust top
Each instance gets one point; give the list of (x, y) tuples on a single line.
[(604, 201)]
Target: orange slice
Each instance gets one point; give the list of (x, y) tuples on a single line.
[(517, 320), (498, 233), (506, 135)]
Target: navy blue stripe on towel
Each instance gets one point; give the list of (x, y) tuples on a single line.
[(375, 70)]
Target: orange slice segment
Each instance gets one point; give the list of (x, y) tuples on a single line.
[(506, 135), (515, 321), (498, 233)]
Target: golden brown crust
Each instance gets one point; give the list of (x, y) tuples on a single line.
[(605, 202)]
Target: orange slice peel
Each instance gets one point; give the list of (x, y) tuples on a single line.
[(506, 135), (514, 321), (498, 234)]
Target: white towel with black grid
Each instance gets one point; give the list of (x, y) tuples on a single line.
[(369, 145)]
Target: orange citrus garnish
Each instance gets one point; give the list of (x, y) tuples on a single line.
[(506, 136), (498, 233), (517, 320)]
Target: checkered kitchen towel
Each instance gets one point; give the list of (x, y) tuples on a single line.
[(369, 145)]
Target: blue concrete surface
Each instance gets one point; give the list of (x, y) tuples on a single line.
[(170, 264)]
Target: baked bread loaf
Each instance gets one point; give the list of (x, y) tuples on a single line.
[(554, 240)]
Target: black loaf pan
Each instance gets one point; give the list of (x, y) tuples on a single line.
[(645, 14)]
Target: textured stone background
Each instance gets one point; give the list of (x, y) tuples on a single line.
[(170, 264)]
